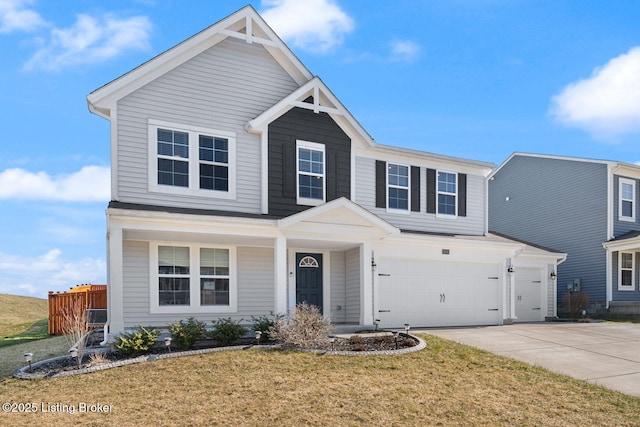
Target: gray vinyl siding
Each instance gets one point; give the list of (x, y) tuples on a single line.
[(256, 288), (352, 259), (220, 89), (618, 295), (338, 287), (472, 224), (622, 227), (559, 204)]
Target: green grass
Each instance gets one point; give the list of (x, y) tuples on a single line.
[(445, 384), (37, 331), (18, 313), (11, 357)]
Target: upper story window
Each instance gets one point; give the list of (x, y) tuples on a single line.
[(397, 187), (189, 160), (193, 278), (627, 203), (447, 193), (310, 173), (626, 271)]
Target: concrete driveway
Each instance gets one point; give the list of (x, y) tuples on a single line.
[(607, 354)]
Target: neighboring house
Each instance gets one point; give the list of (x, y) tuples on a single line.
[(242, 186), (585, 208)]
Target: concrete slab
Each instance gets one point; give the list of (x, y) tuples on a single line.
[(602, 353)]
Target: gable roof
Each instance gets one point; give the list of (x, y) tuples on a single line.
[(611, 163), (245, 24)]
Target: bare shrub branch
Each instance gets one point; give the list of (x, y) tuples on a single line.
[(308, 328)]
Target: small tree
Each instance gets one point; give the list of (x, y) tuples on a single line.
[(308, 328), (74, 324)]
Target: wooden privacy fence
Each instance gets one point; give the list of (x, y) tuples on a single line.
[(86, 296)]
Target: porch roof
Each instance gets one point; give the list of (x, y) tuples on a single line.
[(626, 241)]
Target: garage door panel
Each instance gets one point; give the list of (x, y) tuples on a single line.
[(429, 293)]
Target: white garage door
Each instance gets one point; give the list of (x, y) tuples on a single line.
[(528, 298), (429, 293)]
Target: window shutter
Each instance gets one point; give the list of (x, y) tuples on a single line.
[(289, 172), (381, 184), (415, 189), (431, 190), (462, 194), (331, 168)]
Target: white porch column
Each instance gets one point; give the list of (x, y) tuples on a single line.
[(366, 285), (115, 298), (609, 279), (280, 268)]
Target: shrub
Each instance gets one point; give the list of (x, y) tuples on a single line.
[(575, 302), (265, 324), (226, 331), (185, 333), (308, 328), (137, 341)]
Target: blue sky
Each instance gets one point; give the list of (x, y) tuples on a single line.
[(477, 79)]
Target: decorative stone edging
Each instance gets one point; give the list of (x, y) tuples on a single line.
[(23, 373)]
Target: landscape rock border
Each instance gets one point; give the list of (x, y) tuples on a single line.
[(24, 374)]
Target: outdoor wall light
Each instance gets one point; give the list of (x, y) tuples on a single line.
[(553, 275), (28, 357), (258, 336), (510, 269), (167, 343), (406, 328)]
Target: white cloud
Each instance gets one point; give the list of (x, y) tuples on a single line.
[(312, 25), (15, 17), (89, 184), (23, 275), (404, 51), (607, 104), (91, 40)]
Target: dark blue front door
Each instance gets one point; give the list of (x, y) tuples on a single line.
[(309, 279)]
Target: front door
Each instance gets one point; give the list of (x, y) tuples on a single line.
[(309, 279)]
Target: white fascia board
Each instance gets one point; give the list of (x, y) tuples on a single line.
[(623, 245), (101, 99), (626, 170)]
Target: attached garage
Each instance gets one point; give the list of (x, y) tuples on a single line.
[(427, 293), (529, 291)]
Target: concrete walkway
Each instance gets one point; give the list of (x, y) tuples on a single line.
[(607, 354)]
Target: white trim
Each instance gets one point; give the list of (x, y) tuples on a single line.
[(633, 200), (610, 203), (264, 172), (194, 280), (389, 185), (314, 146), (194, 163), (438, 192), (633, 271)]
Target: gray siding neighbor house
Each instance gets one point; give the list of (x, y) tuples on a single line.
[(583, 207), (242, 186)]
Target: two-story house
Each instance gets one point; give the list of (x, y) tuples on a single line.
[(241, 186), (583, 207)]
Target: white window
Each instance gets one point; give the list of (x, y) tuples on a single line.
[(397, 187), (310, 161), (627, 203), (189, 160), (626, 271), (447, 193), (192, 278)]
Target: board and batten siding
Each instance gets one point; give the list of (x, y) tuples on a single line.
[(256, 288), (560, 204), (338, 287), (352, 261), (622, 227), (472, 224), (220, 89)]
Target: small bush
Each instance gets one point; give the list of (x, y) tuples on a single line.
[(575, 302), (137, 341), (185, 333), (226, 331), (308, 328), (265, 324)]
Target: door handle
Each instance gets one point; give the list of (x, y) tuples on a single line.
[(384, 311)]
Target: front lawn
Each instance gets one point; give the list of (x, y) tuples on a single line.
[(446, 384)]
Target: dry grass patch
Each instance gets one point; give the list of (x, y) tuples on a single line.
[(446, 384), (17, 313)]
